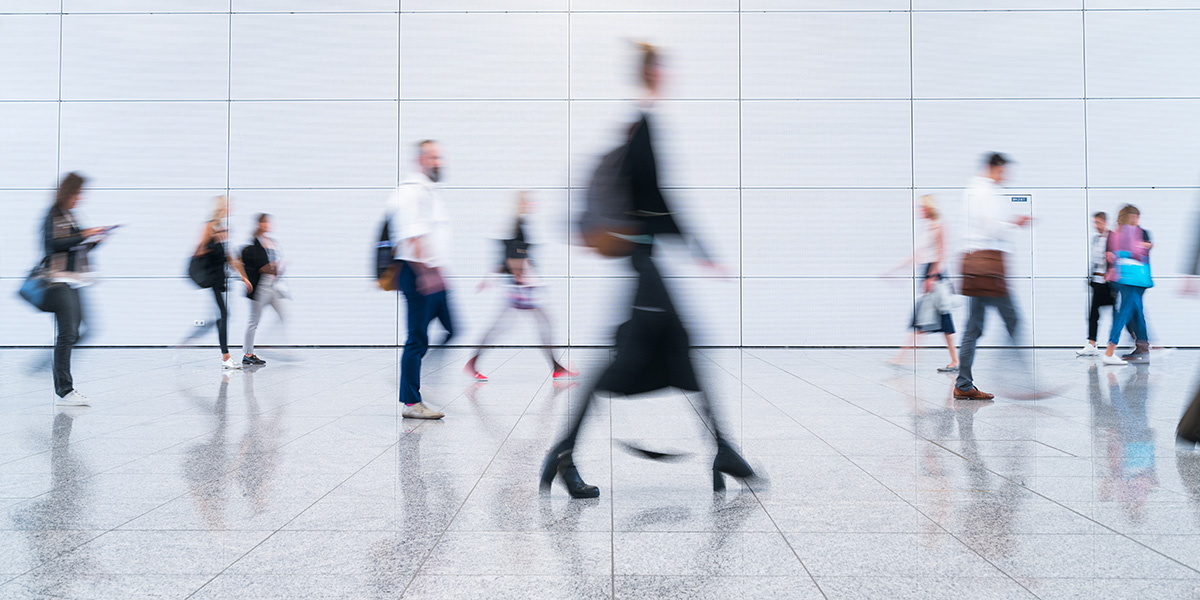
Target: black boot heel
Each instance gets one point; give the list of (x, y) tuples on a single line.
[(575, 485), (729, 462), (718, 481), (559, 463)]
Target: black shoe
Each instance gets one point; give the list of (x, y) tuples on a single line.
[(729, 462), (253, 359), (559, 463)]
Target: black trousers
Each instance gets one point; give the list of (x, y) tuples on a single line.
[(222, 320), (1102, 295), (64, 301)]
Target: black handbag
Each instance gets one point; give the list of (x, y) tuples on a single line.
[(35, 287), (200, 272)]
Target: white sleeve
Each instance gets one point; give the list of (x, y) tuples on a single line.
[(405, 214)]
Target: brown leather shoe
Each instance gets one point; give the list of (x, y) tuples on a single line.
[(971, 394)]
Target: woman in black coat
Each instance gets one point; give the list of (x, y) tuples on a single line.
[(653, 350)]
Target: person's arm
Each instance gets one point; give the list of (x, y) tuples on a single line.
[(411, 220), (55, 242), (237, 266), (204, 237)]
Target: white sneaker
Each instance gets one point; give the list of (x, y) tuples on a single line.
[(1088, 350), (73, 398), (229, 363), (1113, 360), (418, 411)]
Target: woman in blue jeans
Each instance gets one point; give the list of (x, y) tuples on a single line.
[(1128, 238)]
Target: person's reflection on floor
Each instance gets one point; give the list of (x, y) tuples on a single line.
[(1130, 474), (207, 464), (258, 454), (52, 522), (989, 515)]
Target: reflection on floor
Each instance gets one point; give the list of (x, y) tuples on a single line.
[(300, 480)]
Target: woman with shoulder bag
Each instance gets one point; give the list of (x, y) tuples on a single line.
[(66, 271), (932, 255), (1129, 273), (208, 264)]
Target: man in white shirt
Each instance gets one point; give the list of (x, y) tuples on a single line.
[(989, 226), (420, 227), (1102, 294)]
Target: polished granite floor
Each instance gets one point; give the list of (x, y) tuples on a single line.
[(300, 480)]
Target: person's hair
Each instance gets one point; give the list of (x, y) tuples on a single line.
[(649, 60), (995, 159), (220, 204), (1103, 216), (421, 145), (260, 219), (931, 209), (69, 187), (1127, 211)]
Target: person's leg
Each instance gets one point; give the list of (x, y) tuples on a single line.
[(543, 325), (222, 321), (953, 351), (418, 337), (1121, 315), (976, 308), (441, 312), (1094, 313), (910, 342), (1012, 318), (261, 298), (1138, 318), (67, 314)]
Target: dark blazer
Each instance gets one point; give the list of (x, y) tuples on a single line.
[(254, 258), (642, 167)]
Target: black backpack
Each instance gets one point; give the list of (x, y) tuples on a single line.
[(609, 207), (385, 257)]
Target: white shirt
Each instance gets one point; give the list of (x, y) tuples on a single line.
[(1099, 257), (416, 210), (988, 218)]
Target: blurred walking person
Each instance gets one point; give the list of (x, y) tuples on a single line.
[(652, 347), (264, 267), (1102, 292), (419, 225), (66, 270), (208, 270), (523, 291), (931, 255), (987, 236), (1128, 257)]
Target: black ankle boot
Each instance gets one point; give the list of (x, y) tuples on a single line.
[(729, 462), (559, 463)]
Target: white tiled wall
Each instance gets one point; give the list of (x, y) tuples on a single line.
[(793, 138)]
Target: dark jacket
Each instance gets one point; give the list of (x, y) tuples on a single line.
[(642, 167), (254, 258), (63, 244)]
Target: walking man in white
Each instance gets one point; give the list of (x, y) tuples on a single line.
[(987, 237), (420, 227)]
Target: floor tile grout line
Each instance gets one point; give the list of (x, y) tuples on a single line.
[(482, 474), (852, 461), (753, 492), (997, 474), (289, 521)]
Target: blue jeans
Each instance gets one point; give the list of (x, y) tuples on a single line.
[(422, 310), (1129, 308), (976, 311)]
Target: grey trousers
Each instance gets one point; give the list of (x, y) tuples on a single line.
[(265, 295), (976, 311)]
